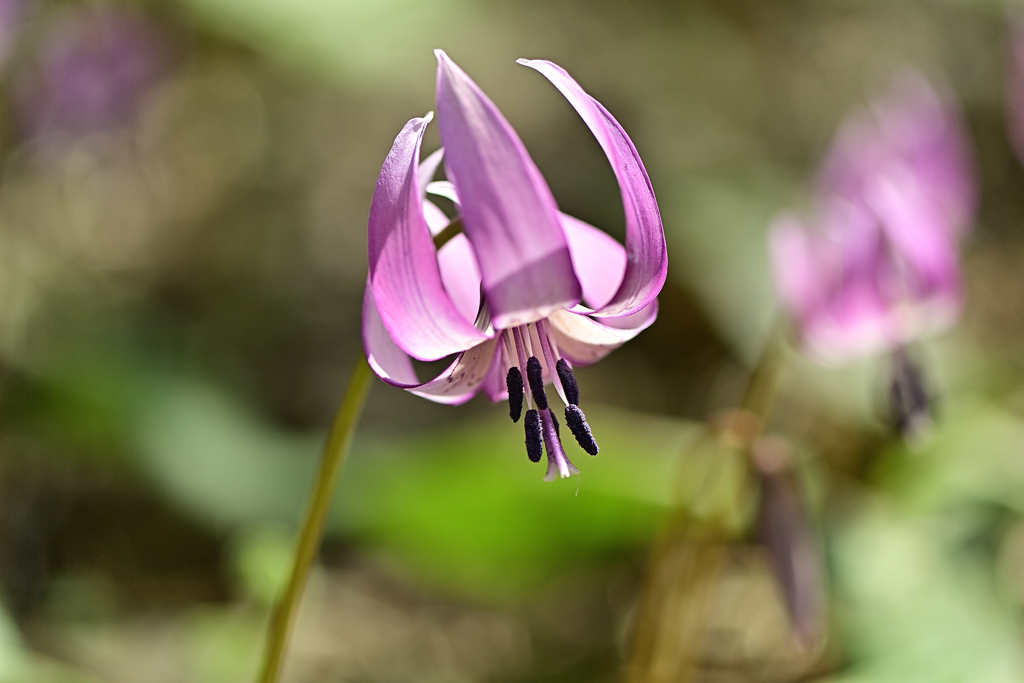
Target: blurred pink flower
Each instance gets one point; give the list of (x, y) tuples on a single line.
[(878, 266), (504, 293), (92, 68)]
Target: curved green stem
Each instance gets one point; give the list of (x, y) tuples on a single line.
[(339, 439)]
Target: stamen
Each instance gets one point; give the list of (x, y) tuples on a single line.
[(910, 403), (514, 382), (533, 435), (577, 423), (568, 380), (521, 346), (550, 356), (535, 376), (517, 340)]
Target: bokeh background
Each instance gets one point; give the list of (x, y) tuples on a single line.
[(184, 189)]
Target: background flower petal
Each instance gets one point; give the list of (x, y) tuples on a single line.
[(508, 212), (647, 264), (404, 274)]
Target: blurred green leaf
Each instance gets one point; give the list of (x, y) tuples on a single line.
[(462, 506), (974, 456), (369, 43), (915, 610), (262, 558)]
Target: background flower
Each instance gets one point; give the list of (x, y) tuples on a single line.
[(879, 267)]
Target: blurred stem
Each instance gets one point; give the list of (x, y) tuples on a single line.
[(691, 546), (759, 396), (339, 440)]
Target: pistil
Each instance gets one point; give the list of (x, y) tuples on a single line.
[(532, 348), (558, 463)]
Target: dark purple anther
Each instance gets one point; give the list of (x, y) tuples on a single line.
[(568, 380), (577, 423), (534, 436), (514, 382), (535, 376)]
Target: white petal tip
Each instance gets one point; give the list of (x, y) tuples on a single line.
[(523, 60), (428, 117)]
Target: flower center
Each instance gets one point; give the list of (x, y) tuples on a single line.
[(532, 348)]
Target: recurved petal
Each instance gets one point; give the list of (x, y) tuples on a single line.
[(508, 212), (460, 275), (457, 384), (919, 232), (494, 385), (795, 266), (598, 259), (387, 360), (428, 167), (435, 217), (404, 276), (647, 263), (443, 188), (584, 341)]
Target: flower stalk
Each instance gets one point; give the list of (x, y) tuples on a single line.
[(339, 440)]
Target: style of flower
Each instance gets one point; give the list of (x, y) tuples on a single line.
[(895, 195), (520, 291)]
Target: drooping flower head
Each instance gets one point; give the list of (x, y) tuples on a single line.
[(879, 266), (518, 290)]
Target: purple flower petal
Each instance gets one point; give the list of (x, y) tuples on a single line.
[(428, 167), (895, 194), (584, 341), (647, 263), (795, 265), (443, 188), (508, 212), (457, 384), (404, 275), (460, 275), (435, 217), (387, 360), (599, 261), (851, 292), (917, 233), (494, 383), (911, 132)]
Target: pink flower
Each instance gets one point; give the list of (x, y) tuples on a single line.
[(505, 293), (879, 266)]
